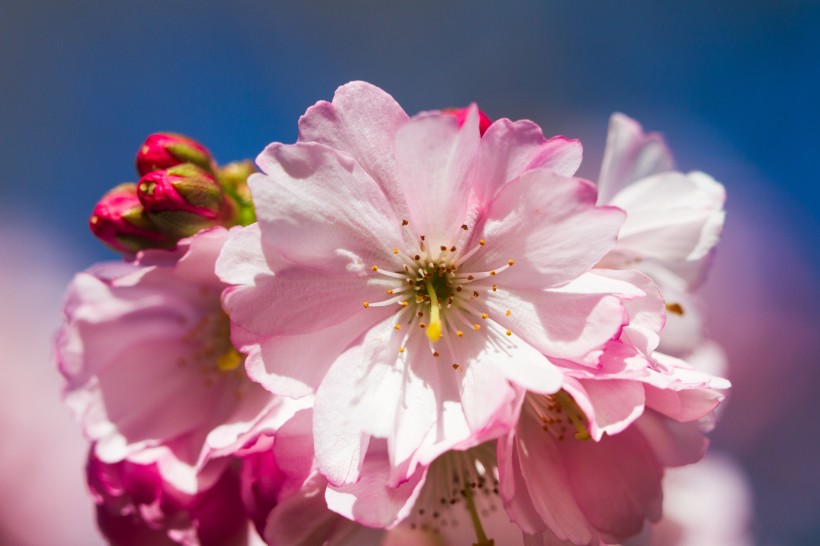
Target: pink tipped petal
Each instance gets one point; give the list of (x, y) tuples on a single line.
[(549, 225), (362, 121), (436, 160), (629, 156), (509, 148), (316, 206)]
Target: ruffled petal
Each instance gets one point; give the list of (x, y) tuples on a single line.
[(436, 160), (362, 121), (317, 207), (549, 225), (509, 148)]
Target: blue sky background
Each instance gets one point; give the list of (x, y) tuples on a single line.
[(735, 88)]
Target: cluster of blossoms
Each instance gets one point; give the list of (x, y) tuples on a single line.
[(420, 330)]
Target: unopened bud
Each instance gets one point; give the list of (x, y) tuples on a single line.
[(119, 220), (234, 180), (460, 114), (166, 150), (184, 199)]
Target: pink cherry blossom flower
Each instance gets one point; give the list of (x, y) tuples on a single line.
[(136, 506), (431, 266), (673, 222), (149, 365), (584, 466), (446, 503)]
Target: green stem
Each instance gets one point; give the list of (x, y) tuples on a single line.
[(483, 540)]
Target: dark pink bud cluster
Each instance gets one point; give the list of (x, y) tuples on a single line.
[(181, 191)]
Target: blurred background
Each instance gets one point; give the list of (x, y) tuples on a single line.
[(734, 87)]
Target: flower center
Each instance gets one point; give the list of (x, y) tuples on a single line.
[(558, 413), (211, 350), (439, 292)]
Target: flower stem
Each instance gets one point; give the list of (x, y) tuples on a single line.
[(483, 540)]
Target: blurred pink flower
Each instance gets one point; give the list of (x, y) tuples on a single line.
[(376, 229), (150, 368), (673, 223), (705, 504), (42, 451)]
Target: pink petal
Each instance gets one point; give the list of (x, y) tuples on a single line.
[(560, 324), (370, 501), (339, 440), (436, 163), (547, 475), (617, 481), (549, 226), (629, 156), (243, 257), (671, 216), (509, 148), (610, 405), (317, 207), (674, 443), (362, 121)]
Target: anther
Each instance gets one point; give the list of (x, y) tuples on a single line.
[(435, 354), (459, 333), (511, 263), (456, 366), (401, 349), (397, 327), (485, 316), (482, 242), (509, 332), (395, 251), (508, 313), (366, 304), (476, 327), (495, 287), (422, 325), (374, 268), (403, 304), (404, 222), (464, 227)]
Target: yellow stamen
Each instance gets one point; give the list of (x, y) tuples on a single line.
[(229, 360)]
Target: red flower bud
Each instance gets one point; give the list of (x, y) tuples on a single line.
[(183, 200), (165, 150), (119, 220), (460, 114)]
